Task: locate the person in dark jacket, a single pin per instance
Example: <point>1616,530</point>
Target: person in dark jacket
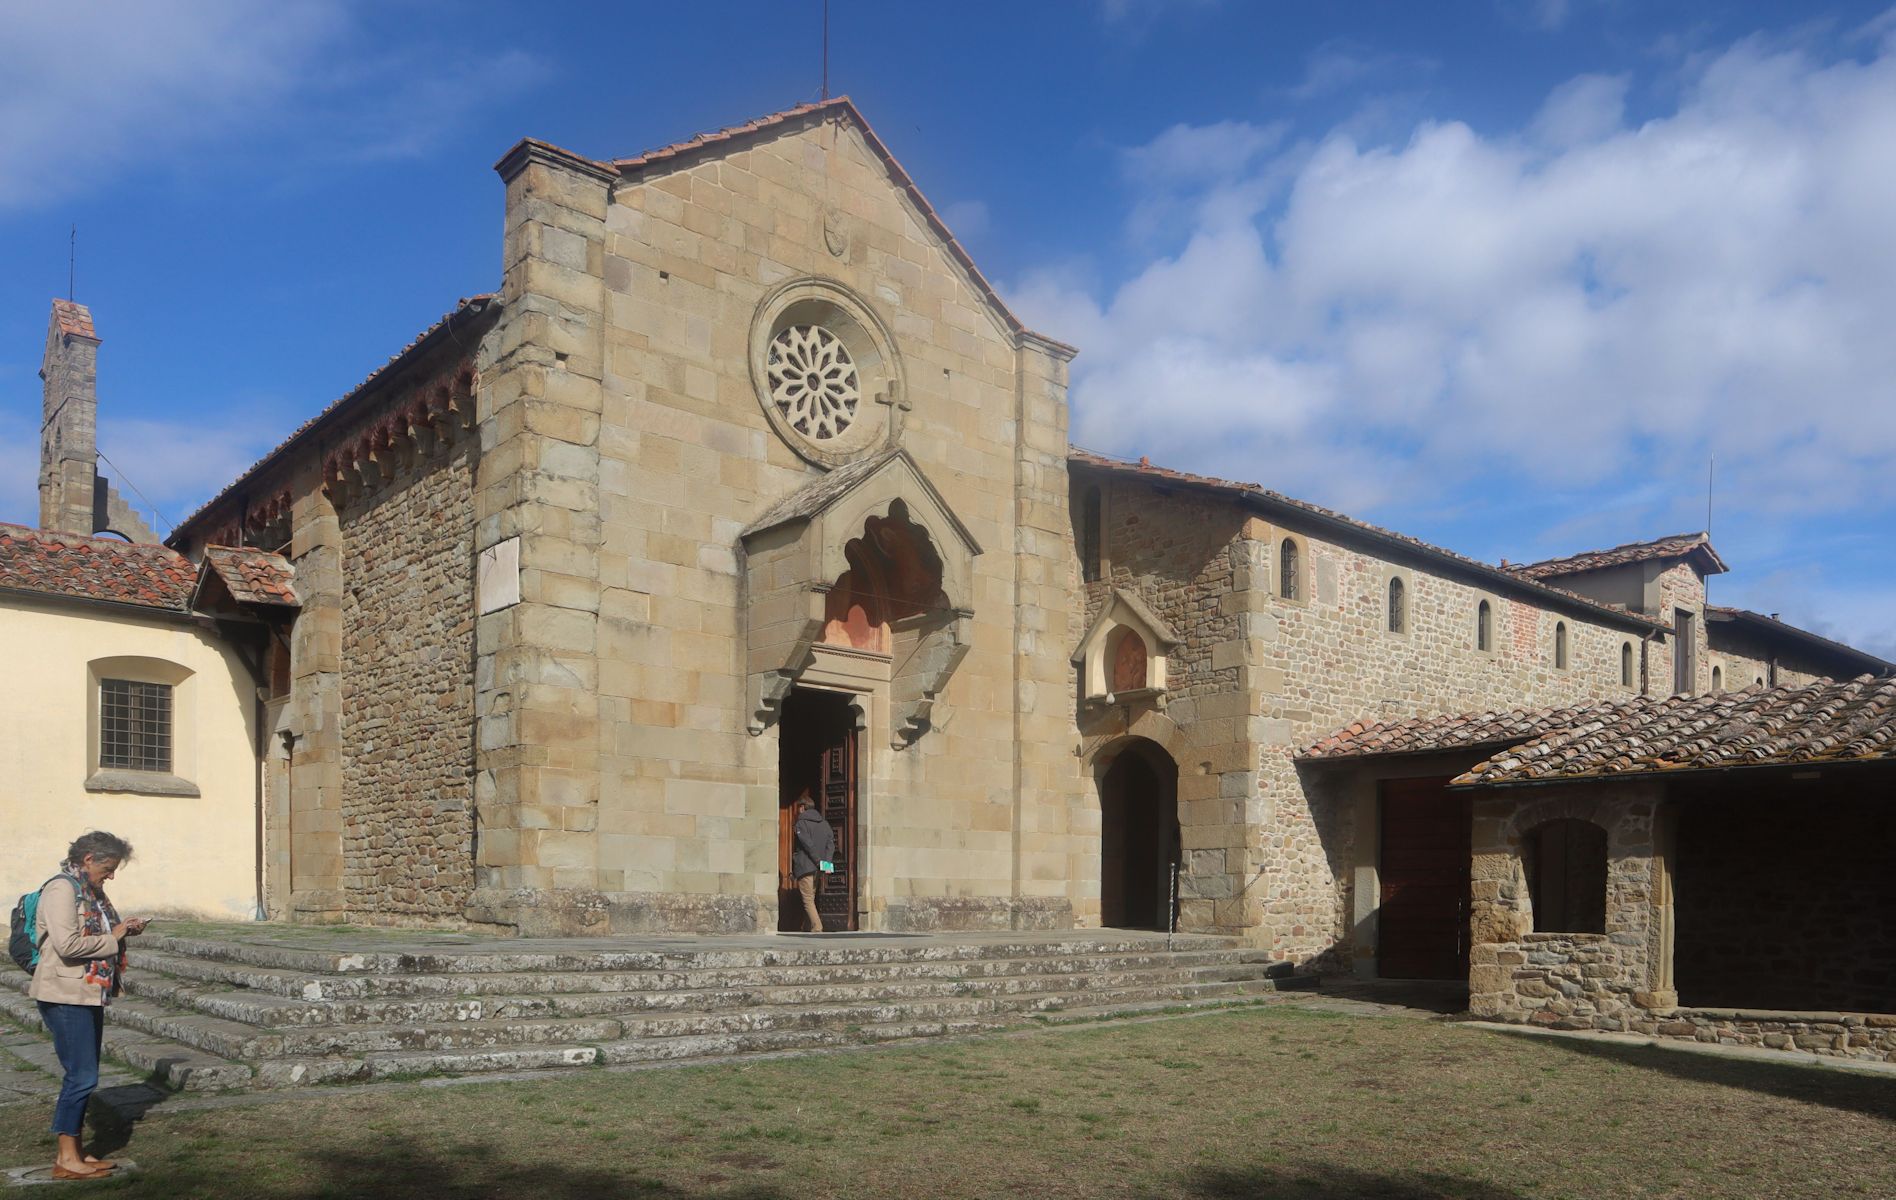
<point>815,847</point>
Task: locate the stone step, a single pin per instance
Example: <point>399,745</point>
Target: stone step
<point>311,986</point>
<point>165,1062</point>
<point>236,1040</point>
<point>271,1010</point>
<point>525,955</point>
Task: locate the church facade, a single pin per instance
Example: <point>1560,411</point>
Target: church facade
<point>746,485</point>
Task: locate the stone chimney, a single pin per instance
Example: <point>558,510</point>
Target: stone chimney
<point>69,421</point>
<point>74,497</point>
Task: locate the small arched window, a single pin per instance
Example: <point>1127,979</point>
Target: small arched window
<point>1758,682</point>
<point>1484,627</point>
<point>1560,645</point>
<point>1398,615</point>
<point>1566,876</point>
<point>1287,569</point>
<point>1089,535</point>
<point>1626,664</point>
<point>1718,679</point>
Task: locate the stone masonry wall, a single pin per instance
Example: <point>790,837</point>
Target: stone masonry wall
<point>1559,979</point>
<point>1268,676</point>
<point>662,810</point>
<point>407,694</point>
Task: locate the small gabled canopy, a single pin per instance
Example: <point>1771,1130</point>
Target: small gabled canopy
<point>844,499</point>
<point>243,578</point>
<point>1126,609</point>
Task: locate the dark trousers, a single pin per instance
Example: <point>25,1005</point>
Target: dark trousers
<point>78,1032</point>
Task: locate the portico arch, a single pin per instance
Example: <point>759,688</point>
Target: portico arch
<point>1139,835</point>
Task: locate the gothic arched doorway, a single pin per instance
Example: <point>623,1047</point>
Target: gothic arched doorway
<point>1139,843</point>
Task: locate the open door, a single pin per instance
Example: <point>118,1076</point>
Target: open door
<point>817,756</point>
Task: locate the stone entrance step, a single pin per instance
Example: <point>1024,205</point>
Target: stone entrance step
<point>253,1012</point>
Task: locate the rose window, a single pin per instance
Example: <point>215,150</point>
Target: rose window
<point>813,381</point>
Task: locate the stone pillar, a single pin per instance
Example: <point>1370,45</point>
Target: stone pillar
<point>69,420</point>
<point>1048,781</point>
<point>537,487</point>
<point>314,721</point>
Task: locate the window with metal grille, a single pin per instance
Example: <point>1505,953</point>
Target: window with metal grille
<point>134,725</point>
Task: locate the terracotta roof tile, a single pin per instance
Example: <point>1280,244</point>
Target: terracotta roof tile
<point>75,320</point>
<point>1430,735</point>
<point>468,305</point>
<point>1851,721</point>
<point>1143,469</point>
<point>1677,545</point>
<point>253,576</point>
<point>94,568</point>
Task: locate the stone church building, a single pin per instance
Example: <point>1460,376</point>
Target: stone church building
<point>747,485</point>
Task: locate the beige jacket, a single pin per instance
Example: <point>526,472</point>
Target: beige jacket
<point>60,977</point>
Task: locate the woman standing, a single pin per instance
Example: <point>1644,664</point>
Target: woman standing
<point>81,943</point>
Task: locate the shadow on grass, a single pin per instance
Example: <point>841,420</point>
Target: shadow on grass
<point>1322,1182</point>
<point>1848,1091</point>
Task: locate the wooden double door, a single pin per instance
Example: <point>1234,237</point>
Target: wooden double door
<point>1422,922</point>
<point>817,756</point>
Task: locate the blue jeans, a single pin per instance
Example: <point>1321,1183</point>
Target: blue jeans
<point>78,1031</point>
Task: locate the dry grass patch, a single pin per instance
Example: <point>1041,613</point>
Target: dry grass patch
<point>1277,1102</point>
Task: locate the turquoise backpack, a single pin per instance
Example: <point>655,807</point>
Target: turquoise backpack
<point>23,941</point>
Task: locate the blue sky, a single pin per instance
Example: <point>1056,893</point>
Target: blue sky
<point>1503,274</point>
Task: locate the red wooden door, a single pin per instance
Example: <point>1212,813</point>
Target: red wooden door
<point>1422,923</point>
<point>836,892</point>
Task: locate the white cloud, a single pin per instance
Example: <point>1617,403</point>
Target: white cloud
<point>966,218</point>
<point>89,91</point>
<point>1584,303</point>
<point>1335,66</point>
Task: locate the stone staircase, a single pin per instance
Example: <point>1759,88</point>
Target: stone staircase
<point>243,1013</point>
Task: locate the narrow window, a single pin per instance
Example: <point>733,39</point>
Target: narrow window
<point>1626,664</point>
<point>1718,680</point>
<point>1484,627</point>
<point>1287,570</point>
<point>1566,876</point>
<point>1396,615</point>
<point>1089,535</point>
<point>1758,682</point>
<point>1684,653</point>
<point>1560,645</point>
<point>134,726</point>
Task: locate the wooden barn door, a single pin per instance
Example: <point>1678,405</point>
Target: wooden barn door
<point>1422,923</point>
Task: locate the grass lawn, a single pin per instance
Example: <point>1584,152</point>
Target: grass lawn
<point>1273,1102</point>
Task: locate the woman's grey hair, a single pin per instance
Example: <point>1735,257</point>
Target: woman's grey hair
<point>101,846</point>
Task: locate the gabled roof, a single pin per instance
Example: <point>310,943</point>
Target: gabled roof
<point>74,320</point>
<point>1773,628</point>
<point>343,406</point>
<point>251,576</point>
<point>1677,545</point>
<point>1141,614</point>
<point>76,567</point>
<point>825,490</point>
<point>1268,501</point>
<point>723,141</point>
<point>1822,723</point>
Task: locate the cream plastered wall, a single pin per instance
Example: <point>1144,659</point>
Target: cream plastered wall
<point>192,855</point>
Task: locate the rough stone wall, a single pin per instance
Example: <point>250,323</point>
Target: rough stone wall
<point>407,693</point>
<point>1867,1036</point>
<point>1744,658</point>
<point>68,430</point>
<point>1679,586</point>
<point>1559,979</point>
<point>1266,676</point>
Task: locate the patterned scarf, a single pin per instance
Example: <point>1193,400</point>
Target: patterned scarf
<point>97,916</point>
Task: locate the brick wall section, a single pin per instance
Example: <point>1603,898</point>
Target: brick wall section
<point>407,693</point>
